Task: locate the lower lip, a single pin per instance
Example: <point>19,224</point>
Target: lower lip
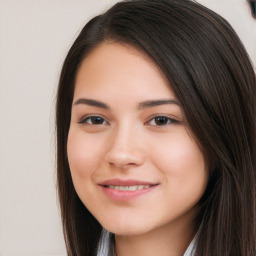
<point>120,195</point>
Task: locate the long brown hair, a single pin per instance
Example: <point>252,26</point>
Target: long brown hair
<point>210,73</point>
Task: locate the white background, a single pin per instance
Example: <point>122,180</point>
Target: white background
<point>35,35</point>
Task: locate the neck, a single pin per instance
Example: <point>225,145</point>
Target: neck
<point>172,239</point>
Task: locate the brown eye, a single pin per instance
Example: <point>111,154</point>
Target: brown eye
<point>161,121</point>
<point>93,120</point>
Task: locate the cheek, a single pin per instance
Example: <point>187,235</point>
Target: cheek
<point>182,162</point>
<point>83,154</point>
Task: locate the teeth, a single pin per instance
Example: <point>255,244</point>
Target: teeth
<point>129,188</point>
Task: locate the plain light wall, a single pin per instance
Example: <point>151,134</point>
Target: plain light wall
<point>35,35</point>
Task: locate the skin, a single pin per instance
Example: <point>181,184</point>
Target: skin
<point>128,141</point>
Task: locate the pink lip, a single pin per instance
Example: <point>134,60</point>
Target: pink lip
<point>120,195</point>
<point>130,182</point>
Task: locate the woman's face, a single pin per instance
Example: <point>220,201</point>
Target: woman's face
<point>133,161</point>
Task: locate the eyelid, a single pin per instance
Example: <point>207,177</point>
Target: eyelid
<point>86,117</point>
<point>172,119</point>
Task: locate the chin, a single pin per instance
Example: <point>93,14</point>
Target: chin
<point>126,229</point>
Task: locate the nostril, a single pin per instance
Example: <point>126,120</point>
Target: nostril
<point>124,160</point>
<point>122,165</point>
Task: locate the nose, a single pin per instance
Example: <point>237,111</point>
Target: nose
<point>125,150</point>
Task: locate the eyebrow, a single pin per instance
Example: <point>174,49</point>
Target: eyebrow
<point>142,105</point>
<point>153,103</point>
<point>90,102</point>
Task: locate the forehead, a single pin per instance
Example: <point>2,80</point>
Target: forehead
<point>117,67</point>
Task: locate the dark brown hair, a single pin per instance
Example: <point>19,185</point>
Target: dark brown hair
<point>210,73</point>
<point>252,4</point>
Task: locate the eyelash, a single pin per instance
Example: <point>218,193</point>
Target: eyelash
<point>85,119</point>
<point>167,120</point>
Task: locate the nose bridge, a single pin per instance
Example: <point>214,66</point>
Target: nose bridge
<point>125,148</point>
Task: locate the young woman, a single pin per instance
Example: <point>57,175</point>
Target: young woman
<point>156,142</point>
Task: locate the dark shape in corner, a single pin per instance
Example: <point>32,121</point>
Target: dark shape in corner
<point>252,4</point>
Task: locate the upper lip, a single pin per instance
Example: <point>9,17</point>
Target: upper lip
<point>129,182</point>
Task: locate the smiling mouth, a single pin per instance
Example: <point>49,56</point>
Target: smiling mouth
<point>119,190</point>
<point>128,188</point>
